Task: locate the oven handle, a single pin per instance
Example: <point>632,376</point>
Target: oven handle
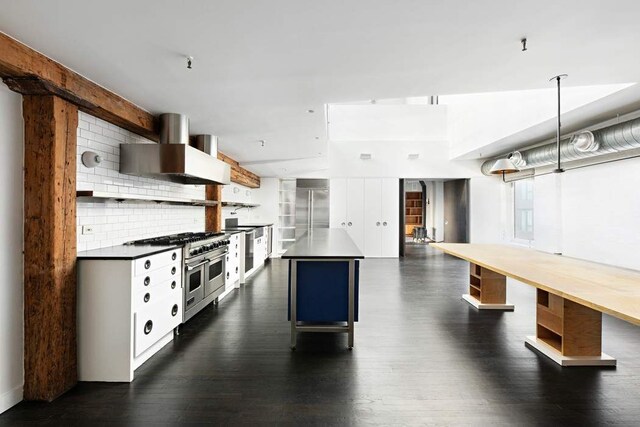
<point>193,267</point>
<point>216,258</point>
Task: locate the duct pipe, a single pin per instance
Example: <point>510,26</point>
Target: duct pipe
<point>611,139</point>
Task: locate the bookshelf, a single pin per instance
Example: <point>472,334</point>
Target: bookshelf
<point>413,211</point>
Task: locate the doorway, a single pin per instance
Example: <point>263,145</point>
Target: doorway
<point>434,210</point>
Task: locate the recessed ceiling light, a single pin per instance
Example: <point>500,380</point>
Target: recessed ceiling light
<point>310,111</point>
<point>413,156</point>
<point>365,156</point>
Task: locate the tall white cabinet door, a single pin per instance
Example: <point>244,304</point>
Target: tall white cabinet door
<point>355,211</point>
<point>390,204</point>
<point>338,203</point>
<point>372,217</point>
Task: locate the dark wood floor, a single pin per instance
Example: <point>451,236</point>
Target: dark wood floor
<point>422,356</point>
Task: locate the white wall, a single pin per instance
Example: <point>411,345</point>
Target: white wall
<point>11,244</point>
<point>486,209</point>
<point>390,159</point>
<point>591,213</point>
<point>115,223</point>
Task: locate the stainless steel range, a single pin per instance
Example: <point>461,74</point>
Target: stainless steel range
<point>204,276</point>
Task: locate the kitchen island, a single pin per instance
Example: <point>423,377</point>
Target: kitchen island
<point>323,283</point>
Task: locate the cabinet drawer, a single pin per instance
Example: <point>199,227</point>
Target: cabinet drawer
<point>144,298</point>
<point>145,265</point>
<point>155,322</point>
<point>163,274</point>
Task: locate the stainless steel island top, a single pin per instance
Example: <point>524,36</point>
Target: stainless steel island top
<point>322,243</point>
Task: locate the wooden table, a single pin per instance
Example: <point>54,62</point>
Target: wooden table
<point>572,294</point>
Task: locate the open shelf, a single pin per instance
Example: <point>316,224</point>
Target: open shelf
<point>101,197</point>
<point>240,204</point>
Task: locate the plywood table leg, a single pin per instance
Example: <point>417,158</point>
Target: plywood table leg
<point>568,333</point>
<point>487,289</point>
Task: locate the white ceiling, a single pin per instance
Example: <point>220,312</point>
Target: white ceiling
<point>260,65</point>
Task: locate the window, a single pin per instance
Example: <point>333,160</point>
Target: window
<point>523,209</point>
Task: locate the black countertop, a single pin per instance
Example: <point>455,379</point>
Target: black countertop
<point>124,252</point>
<point>324,243</point>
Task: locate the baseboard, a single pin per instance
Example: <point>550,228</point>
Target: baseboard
<point>11,398</point>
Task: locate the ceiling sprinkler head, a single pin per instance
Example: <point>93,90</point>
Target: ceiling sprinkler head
<point>189,61</point>
<point>262,142</point>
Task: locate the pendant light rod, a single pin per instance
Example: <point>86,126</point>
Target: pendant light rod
<point>557,79</point>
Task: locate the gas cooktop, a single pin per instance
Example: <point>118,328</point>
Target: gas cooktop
<point>176,239</point>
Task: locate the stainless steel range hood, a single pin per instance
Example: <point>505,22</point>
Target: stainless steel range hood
<point>173,159</point>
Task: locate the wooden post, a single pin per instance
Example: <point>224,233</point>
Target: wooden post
<point>50,362</point>
<point>213,214</point>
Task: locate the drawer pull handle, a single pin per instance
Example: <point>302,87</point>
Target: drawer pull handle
<point>236,269</point>
<point>173,270</point>
<point>147,264</point>
<point>174,310</point>
<point>227,274</point>
<point>174,256</point>
<point>147,281</point>
<point>147,297</point>
<point>173,284</point>
<point>148,327</point>
<point>190,301</point>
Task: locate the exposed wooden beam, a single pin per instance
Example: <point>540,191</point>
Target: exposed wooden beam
<point>213,214</point>
<point>240,175</point>
<point>29,72</point>
<point>50,364</point>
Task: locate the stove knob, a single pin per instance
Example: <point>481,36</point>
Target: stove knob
<point>216,244</point>
<point>199,250</point>
<point>192,252</point>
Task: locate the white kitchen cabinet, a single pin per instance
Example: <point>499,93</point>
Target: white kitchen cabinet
<point>127,310</point>
<point>390,205</point>
<point>338,203</point>
<point>233,261</point>
<point>368,210</point>
<point>346,207</point>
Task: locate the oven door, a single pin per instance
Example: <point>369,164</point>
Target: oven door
<point>216,274</point>
<point>194,283</point>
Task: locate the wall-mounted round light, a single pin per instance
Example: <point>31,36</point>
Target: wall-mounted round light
<point>91,159</point>
<point>585,142</point>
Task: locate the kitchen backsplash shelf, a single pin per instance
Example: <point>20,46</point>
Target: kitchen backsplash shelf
<point>100,196</point>
<point>240,204</point>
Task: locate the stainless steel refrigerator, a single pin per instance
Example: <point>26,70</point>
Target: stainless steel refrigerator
<point>312,205</point>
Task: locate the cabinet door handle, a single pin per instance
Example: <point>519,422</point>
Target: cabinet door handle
<point>147,281</point>
<point>173,270</point>
<point>148,327</point>
<point>174,310</point>
<point>147,297</point>
<point>343,224</point>
<point>384,223</point>
<point>378,224</point>
<point>147,264</point>
<point>349,223</point>
<point>173,284</point>
<point>173,256</point>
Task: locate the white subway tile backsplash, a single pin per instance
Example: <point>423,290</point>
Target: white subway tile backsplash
<point>115,223</point>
